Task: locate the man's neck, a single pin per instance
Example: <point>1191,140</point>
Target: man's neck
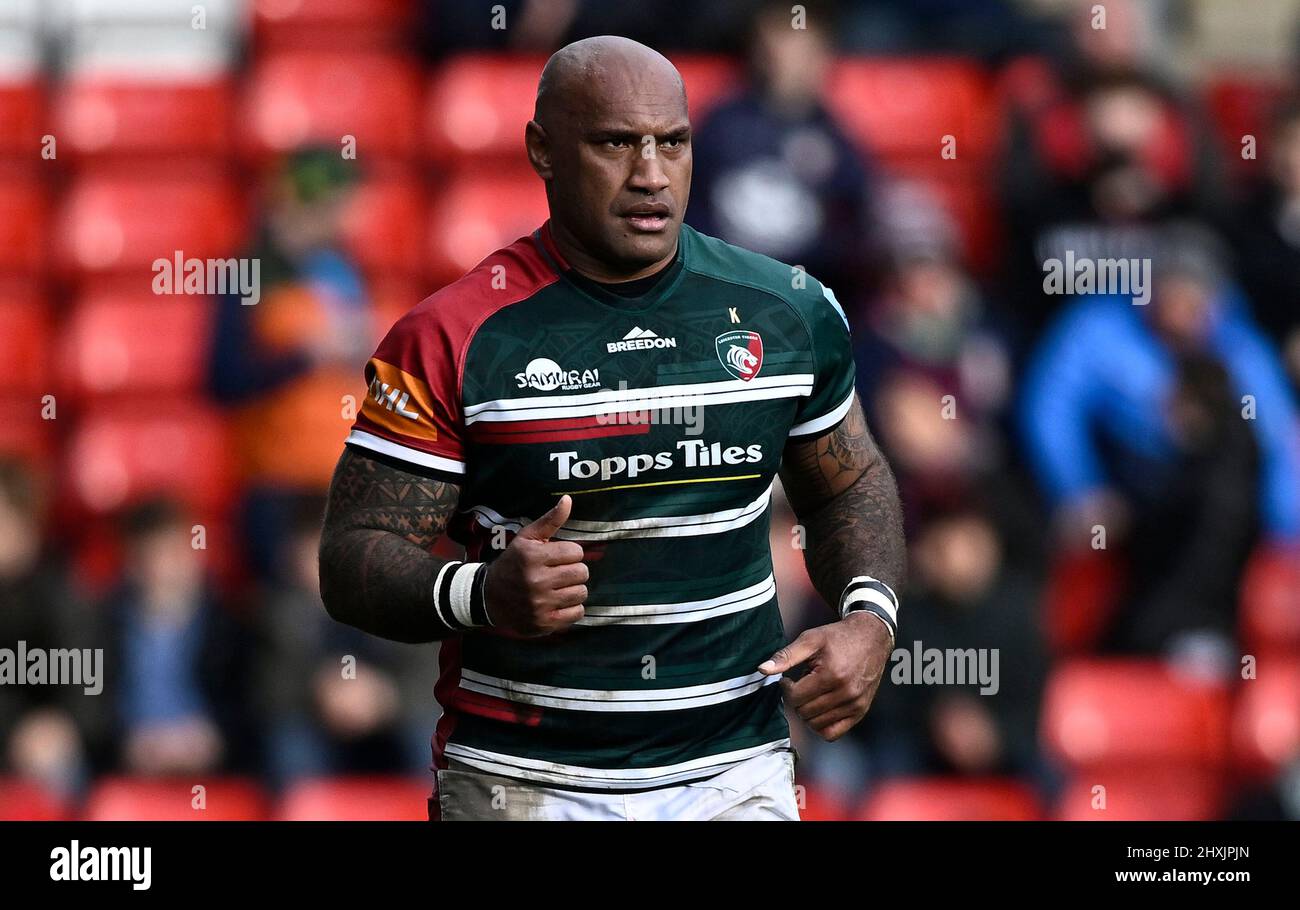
<point>589,266</point>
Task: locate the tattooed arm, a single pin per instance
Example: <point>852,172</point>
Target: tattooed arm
<point>377,574</point>
<point>844,495</point>
<point>376,571</point>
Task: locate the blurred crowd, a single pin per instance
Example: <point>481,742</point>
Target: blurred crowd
<point>1086,474</point>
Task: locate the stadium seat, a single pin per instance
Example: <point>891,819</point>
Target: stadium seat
<point>357,799</point>
<point>384,226</point>
<point>477,104</point>
<point>106,116</point>
<point>1154,793</point>
<point>131,448</point>
<point>1243,106</point>
<point>320,24</point>
<point>942,799</point>
<point>820,805</point>
<point>1266,717</point>
<point>1082,594</point>
<point>159,800</point>
<point>708,80</point>
<point>23,224</point>
<point>1107,712</point>
<point>22,118</point>
<point>23,432</point>
<point>1270,601</point>
<point>478,212</point>
<point>26,801</point>
<point>114,223</point>
<point>25,348</point>
<point>135,342</point>
<point>300,97</point>
<point>903,108</point>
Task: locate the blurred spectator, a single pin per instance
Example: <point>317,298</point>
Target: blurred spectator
<point>177,675</point>
<point>963,595</point>
<point>1121,439</point>
<point>1267,236</point>
<point>774,172</point>
<point>332,699</point>
<point>1098,173</point>
<point>934,368</point>
<point>1188,549</point>
<point>46,731</point>
<point>286,363</point>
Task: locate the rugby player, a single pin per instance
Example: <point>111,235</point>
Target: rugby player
<point>611,643</point>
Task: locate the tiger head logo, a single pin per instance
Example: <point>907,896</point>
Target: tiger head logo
<point>741,353</point>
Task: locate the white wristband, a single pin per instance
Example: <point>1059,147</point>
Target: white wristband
<point>458,596</point>
<point>873,596</point>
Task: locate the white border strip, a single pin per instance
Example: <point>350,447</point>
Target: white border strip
<point>404,453</point>
<point>614,401</point>
<point>826,420</point>
<point>658,526</point>
<point>604,778</point>
<point>683,612</point>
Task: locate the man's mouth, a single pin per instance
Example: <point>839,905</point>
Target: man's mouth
<point>649,219</point>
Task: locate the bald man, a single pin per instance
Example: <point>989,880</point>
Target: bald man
<point>597,412</point>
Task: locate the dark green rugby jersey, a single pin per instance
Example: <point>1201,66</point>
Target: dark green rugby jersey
<point>665,417</point>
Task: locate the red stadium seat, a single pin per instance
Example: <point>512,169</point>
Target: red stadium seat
<point>384,226</point>
<point>165,800</point>
<point>135,343</point>
<point>903,108</point>
<point>819,805</point>
<point>25,349</point>
<point>1155,793</point>
<point>99,116</point>
<point>331,23</point>
<point>112,223</point>
<point>708,81</point>
<point>26,801</point>
<point>124,450</point>
<point>1243,106</point>
<point>23,432</point>
<point>477,213</point>
<point>22,118</point>
<point>1107,712</point>
<point>940,799</point>
<point>23,224</point>
<point>477,106</point>
<point>299,98</point>
<point>1266,718</point>
<point>357,799</point>
<point>1270,601</point>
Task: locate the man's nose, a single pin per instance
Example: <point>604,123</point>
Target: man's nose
<point>647,173</point>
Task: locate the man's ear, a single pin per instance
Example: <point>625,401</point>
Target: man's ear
<point>539,152</point>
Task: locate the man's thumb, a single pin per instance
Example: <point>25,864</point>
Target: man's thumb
<point>793,654</point>
<point>544,528</point>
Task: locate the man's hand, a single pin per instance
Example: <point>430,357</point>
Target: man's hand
<point>538,585</point>
<point>846,661</point>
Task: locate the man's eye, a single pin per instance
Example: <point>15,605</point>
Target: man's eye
<point>616,143</point>
<point>671,143</point>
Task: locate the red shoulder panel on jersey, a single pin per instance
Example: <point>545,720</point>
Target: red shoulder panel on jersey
<point>412,411</point>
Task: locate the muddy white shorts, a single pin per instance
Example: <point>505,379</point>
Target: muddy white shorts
<point>758,789</point>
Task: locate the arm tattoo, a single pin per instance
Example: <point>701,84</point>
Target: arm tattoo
<point>376,571</point>
<point>844,494</point>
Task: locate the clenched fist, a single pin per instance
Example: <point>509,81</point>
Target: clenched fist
<point>538,585</point>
